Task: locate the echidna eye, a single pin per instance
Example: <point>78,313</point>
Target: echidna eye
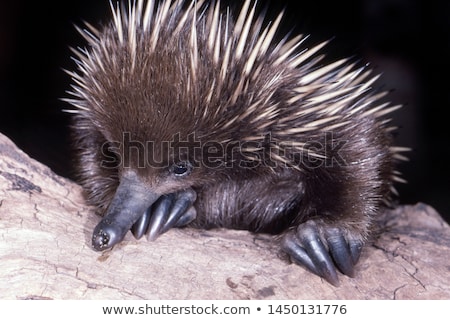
<point>181,169</point>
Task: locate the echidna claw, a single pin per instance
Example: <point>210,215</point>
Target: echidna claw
<point>171,210</point>
<point>323,253</point>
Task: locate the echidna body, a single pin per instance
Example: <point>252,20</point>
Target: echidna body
<point>186,116</point>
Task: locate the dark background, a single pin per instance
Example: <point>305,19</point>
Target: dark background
<point>408,41</point>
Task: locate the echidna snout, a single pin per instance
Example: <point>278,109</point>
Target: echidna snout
<point>130,202</point>
<point>137,208</point>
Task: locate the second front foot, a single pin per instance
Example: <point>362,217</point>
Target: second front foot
<point>169,211</point>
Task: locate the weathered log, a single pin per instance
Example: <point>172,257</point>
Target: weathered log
<point>45,231</point>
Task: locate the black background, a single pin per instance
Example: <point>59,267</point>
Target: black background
<point>408,41</point>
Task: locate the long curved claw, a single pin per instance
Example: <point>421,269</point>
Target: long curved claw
<point>323,255</point>
<point>355,250</point>
<point>159,215</point>
<point>186,218</point>
<point>181,212</point>
<point>140,226</point>
<point>171,210</point>
<point>340,251</point>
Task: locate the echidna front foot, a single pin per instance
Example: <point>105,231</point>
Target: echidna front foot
<point>171,210</point>
<point>323,249</point>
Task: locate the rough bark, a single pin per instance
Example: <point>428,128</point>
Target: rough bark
<point>45,230</point>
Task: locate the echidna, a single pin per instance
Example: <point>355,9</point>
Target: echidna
<point>186,116</point>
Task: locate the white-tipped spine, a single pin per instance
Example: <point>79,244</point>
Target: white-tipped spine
<point>117,16</point>
<point>147,19</point>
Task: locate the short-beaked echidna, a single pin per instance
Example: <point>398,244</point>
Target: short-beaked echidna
<point>186,116</point>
